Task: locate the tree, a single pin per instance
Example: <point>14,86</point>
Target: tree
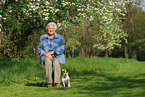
<point>133,27</point>
<point>109,15</point>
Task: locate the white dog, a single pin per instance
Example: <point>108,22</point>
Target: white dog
<point>65,78</point>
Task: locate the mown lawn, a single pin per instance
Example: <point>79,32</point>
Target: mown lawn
<point>96,77</point>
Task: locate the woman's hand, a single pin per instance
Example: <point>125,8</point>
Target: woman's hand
<point>49,55</point>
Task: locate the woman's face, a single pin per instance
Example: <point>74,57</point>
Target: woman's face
<point>51,30</point>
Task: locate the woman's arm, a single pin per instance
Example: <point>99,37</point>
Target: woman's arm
<point>60,49</point>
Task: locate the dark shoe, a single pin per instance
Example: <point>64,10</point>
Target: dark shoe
<point>49,86</point>
<point>58,85</point>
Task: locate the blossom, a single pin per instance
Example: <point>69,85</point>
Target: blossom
<point>46,18</point>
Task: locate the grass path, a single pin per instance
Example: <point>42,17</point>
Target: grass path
<point>94,77</point>
<point>102,85</point>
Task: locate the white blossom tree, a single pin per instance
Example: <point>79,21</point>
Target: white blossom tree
<point>109,15</point>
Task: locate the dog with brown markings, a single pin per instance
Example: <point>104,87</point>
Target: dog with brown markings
<point>65,78</point>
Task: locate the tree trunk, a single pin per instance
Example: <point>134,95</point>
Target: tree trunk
<point>126,52</point>
<point>134,54</point>
<point>73,52</point>
<point>110,53</point>
<point>82,53</point>
<point>106,54</point>
<point>69,55</point>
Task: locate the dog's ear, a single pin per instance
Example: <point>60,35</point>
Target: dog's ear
<point>67,70</point>
<point>63,69</point>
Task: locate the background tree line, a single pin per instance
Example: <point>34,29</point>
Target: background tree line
<point>86,30</point>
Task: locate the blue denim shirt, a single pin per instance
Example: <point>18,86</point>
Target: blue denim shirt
<point>57,46</point>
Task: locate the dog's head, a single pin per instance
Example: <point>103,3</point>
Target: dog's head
<point>65,72</point>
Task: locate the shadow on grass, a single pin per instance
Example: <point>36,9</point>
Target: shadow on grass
<point>94,83</point>
<point>44,84</point>
<point>38,84</point>
<point>110,85</point>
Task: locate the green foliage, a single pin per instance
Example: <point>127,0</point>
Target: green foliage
<point>2,57</point>
<point>19,71</point>
<point>133,25</point>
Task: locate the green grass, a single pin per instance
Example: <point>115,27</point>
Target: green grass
<point>97,77</point>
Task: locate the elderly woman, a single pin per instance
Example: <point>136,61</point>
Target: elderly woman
<point>51,50</point>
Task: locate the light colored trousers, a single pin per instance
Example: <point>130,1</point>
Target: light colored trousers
<point>52,66</point>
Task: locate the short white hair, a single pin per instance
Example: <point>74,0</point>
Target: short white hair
<point>51,23</point>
